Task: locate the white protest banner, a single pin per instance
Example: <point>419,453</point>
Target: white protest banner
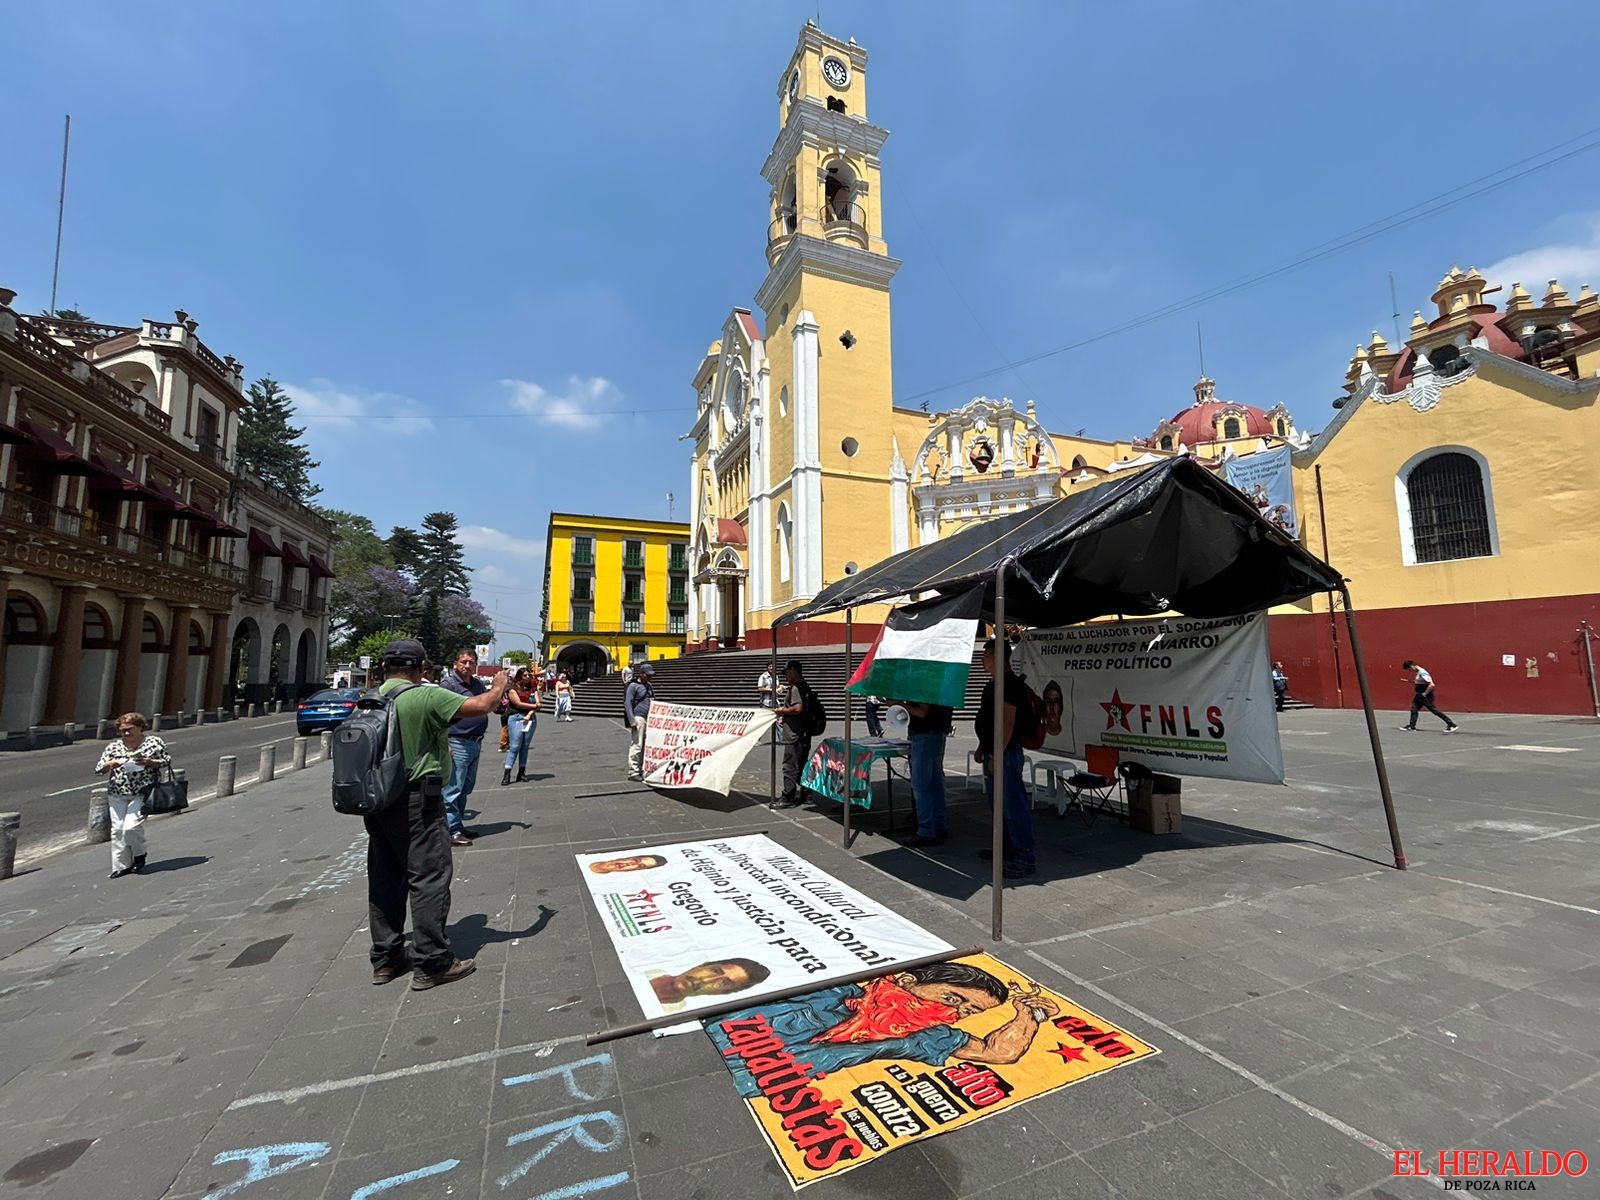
<point>1188,696</point>
<point>696,922</point>
<point>698,747</point>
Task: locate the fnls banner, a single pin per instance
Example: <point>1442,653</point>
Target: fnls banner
<point>696,922</point>
<point>839,1077</point>
<point>1180,695</point>
<point>692,747</point>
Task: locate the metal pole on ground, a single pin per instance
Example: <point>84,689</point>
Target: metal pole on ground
<point>69,732</point>
<point>1372,731</point>
<point>269,763</point>
<point>1586,632</point>
<point>155,723</point>
<point>995,764</point>
<point>98,828</point>
<point>9,824</point>
<point>298,762</point>
<point>849,758</point>
<point>326,738</point>
<point>227,774</point>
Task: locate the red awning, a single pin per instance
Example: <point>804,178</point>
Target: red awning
<point>164,497</point>
<point>261,544</point>
<point>729,532</point>
<point>292,556</point>
<point>215,526</point>
<point>49,445</point>
<point>111,476</point>
<point>11,434</point>
<point>319,568</point>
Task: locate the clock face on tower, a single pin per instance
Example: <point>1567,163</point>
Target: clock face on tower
<point>836,72</point>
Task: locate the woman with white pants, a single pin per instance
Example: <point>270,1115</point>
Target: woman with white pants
<point>132,759</point>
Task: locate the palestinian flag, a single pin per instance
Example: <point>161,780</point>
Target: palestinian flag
<point>923,652</point>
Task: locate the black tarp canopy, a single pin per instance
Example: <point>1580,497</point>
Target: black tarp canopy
<point>1172,537</point>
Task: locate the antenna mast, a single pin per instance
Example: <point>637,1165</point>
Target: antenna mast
<point>61,213</point>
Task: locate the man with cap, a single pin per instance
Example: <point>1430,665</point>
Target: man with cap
<point>635,712</point>
<point>408,843</point>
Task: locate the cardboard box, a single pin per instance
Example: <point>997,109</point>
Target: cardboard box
<point>1155,805</point>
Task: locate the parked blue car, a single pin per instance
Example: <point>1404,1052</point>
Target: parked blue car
<point>325,709</point>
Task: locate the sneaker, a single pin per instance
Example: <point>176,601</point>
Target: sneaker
<point>787,802</point>
<point>1018,871</point>
<point>421,981</point>
<point>389,971</point>
<point>1452,729</point>
<point>1406,728</point>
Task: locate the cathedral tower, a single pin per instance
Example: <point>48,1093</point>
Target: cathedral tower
<point>824,508</point>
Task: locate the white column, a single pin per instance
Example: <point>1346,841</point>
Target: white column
<point>955,467</point>
<point>762,533</point>
<point>928,519</point>
<point>1008,452</point>
<point>899,503</point>
<point>808,460</point>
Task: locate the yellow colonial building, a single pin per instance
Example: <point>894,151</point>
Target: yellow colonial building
<point>615,592</point>
<point>803,469</point>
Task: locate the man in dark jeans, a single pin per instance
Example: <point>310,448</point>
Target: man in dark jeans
<point>408,843</point>
<point>1422,697</point>
<point>466,745</point>
<point>791,711</point>
<point>1006,774</point>
<point>930,727</point>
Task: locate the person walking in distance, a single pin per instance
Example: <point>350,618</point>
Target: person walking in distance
<point>466,745</point>
<point>1007,773</point>
<point>524,696</point>
<point>1423,696</point>
<point>791,711</point>
<point>767,693</point>
<point>563,687</point>
<point>1280,686</point>
<point>132,758</point>
<point>408,843</point>
<point>636,715</point>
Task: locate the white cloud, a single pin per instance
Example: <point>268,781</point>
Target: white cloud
<point>325,407</point>
<point>1574,262</point>
<point>498,578</point>
<point>488,540</point>
<point>583,404</point>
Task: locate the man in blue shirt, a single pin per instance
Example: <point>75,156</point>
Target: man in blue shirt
<point>636,714</point>
<point>466,744</point>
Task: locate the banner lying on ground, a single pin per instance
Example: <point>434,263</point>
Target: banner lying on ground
<point>1183,695</point>
<point>1268,479</point>
<point>839,1077</point>
<point>695,747</point>
<point>697,922</point>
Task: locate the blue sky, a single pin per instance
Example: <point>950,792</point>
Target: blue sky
<point>518,228</point>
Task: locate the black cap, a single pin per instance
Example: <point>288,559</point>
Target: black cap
<point>406,652</point>
<point>794,664</point>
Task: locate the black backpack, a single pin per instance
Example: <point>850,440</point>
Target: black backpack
<point>369,769</point>
<point>814,718</point>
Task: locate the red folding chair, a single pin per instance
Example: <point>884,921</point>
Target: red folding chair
<point>1093,788</point>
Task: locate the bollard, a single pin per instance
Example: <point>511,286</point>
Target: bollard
<point>105,729</point>
<point>298,762</point>
<point>220,714</point>
<point>9,823</point>
<point>99,827</point>
<point>250,710</point>
<point>181,775</point>
<point>155,723</point>
<point>227,772</point>
<point>269,763</point>
<point>33,736</point>
<point>326,737</point>
<point>69,732</point>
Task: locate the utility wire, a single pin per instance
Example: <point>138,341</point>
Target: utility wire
<point>1365,233</point>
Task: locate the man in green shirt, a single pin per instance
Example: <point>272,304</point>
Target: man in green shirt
<point>408,843</point>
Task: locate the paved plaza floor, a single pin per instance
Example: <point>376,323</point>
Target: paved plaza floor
<point>212,1022</point>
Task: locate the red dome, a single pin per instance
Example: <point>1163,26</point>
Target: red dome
<point>1199,423</point>
<point>1500,342</point>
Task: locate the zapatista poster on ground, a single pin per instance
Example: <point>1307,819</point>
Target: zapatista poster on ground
<point>694,923</point>
<point>1186,695</point>
<point>691,747</point>
<point>842,1076</point>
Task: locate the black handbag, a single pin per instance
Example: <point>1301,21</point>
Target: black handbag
<point>168,794</point>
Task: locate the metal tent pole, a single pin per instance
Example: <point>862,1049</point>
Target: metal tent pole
<point>1586,632</point>
<point>772,796</point>
<point>997,756</point>
<point>1372,731</point>
<point>849,762</point>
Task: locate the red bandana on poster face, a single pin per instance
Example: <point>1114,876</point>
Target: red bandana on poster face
<point>887,1011</point>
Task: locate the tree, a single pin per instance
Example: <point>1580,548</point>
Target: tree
<point>372,602</point>
<point>269,442</point>
<point>463,622</point>
<point>405,548</point>
<point>375,643</point>
<point>69,314</point>
<point>441,568</point>
<point>428,628</point>
<point>357,549</point>
<point>517,658</point>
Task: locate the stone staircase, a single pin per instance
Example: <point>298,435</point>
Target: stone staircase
<point>728,678</point>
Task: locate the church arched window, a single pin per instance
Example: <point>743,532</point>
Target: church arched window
<point>1166,441</point>
<point>1231,429</point>
<point>785,542</point>
<point>841,197</point>
<point>1446,510</point>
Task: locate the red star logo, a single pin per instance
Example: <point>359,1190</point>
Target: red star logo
<point>644,896</point>
<point>1069,1053</point>
<point>1117,712</point>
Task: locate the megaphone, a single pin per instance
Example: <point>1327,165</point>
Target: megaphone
<point>897,723</point>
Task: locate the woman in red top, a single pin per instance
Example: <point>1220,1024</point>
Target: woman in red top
<point>524,701</point>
